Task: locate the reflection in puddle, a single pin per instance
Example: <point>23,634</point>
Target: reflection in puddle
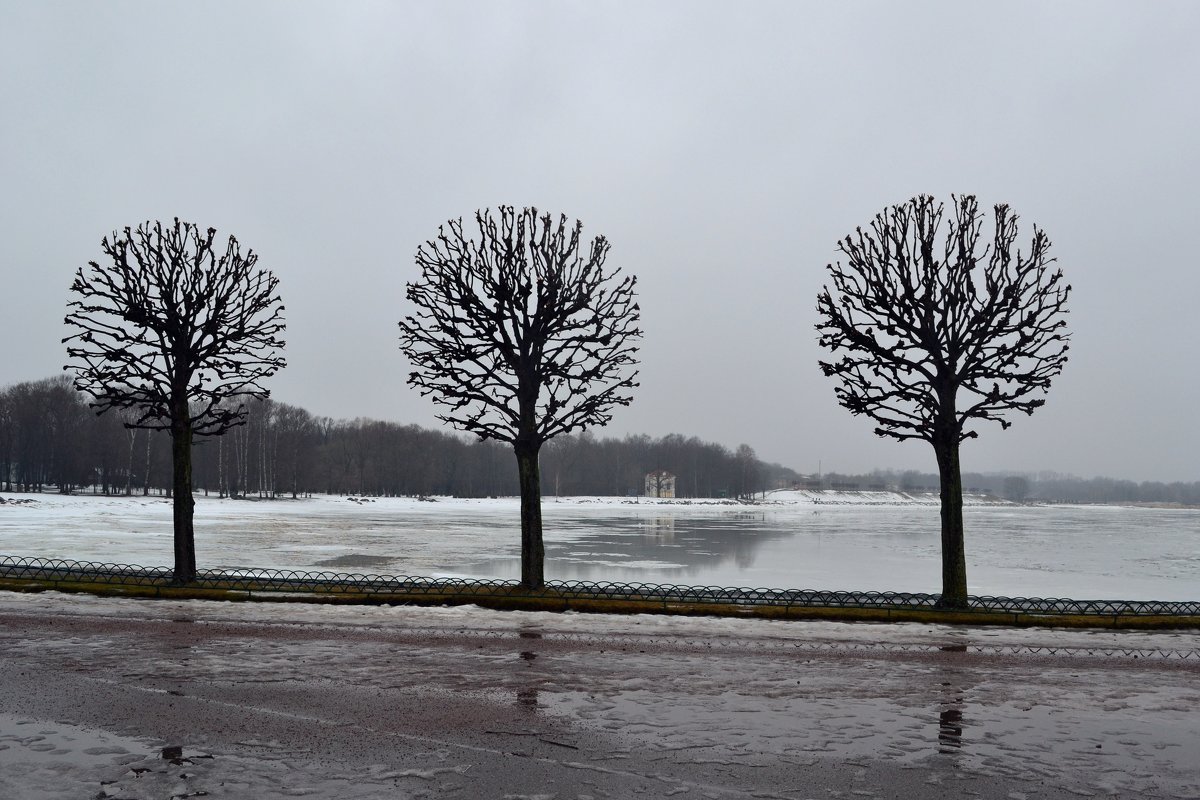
<point>950,719</point>
<point>950,730</point>
<point>527,698</point>
<point>528,655</point>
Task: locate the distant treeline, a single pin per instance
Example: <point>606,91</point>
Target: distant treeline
<point>1048,487</point>
<point>50,439</point>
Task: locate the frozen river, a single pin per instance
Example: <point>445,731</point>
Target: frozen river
<point>792,541</point>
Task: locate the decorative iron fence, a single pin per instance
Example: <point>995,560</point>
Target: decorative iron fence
<point>385,587</point>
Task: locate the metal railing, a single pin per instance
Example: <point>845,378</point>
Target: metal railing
<point>396,587</point>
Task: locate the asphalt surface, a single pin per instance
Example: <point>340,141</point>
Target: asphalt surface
<point>152,699</point>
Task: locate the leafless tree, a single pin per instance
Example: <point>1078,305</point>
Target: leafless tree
<point>931,337</point>
<point>179,333</point>
<point>45,438</point>
<point>523,335</point>
<point>749,472</point>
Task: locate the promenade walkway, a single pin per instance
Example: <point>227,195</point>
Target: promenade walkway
<point>123,698</point>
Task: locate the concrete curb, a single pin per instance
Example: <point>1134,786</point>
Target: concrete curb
<point>510,599</point>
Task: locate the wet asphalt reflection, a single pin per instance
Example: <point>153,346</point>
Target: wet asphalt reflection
<point>359,702</point>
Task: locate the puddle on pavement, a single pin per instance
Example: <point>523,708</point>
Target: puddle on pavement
<point>528,655</point>
<point>24,741</point>
<point>527,698</point>
<point>950,718</point>
<point>950,730</point>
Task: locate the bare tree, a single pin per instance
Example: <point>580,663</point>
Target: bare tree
<point>44,437</point>
<point>935,337</point>
<point>8,436</point>
<point>179,333</point>
<point>1016,488</point>
<point>749,472</point>
<point>523,337</point>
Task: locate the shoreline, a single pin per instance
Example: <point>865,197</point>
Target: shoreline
<point>1063,551</point>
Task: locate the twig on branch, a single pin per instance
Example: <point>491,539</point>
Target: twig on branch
<point>933,337</point>
<point>167,319</point>
<point>521,333</point>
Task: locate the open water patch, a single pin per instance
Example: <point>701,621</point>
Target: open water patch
<point>357,560</point>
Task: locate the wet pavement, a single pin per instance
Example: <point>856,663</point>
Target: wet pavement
<point>155,699</point>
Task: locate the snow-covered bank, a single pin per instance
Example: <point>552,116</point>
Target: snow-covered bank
<point>791,540</point>
<point>778,497</point>
<point>871,497</point>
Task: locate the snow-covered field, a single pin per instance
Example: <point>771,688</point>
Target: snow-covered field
<point>800,540</point>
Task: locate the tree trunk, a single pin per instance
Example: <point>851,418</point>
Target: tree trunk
<point>183,504</point>
<point>146,479</point>
<point>295,470</point>
<point>533,552</point>
<point>129,470</point>
<point>954,559</point>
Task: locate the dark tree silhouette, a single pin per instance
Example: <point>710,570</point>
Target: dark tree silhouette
<point>524,337</point>
<point>179,334</point>
<point>936,336</point>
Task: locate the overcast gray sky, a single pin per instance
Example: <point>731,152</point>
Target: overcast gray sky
<point>723,148</point>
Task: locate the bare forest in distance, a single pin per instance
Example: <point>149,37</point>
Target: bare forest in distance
<point>51,440</point>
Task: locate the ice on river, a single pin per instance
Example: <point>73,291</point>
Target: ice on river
<point>792,540</point>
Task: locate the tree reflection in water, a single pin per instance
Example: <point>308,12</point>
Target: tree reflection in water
<point>663,548</point>
<point>527,696</point>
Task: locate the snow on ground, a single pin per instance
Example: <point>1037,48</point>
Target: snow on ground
<point>791,540</point>
<point>272,701</point>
